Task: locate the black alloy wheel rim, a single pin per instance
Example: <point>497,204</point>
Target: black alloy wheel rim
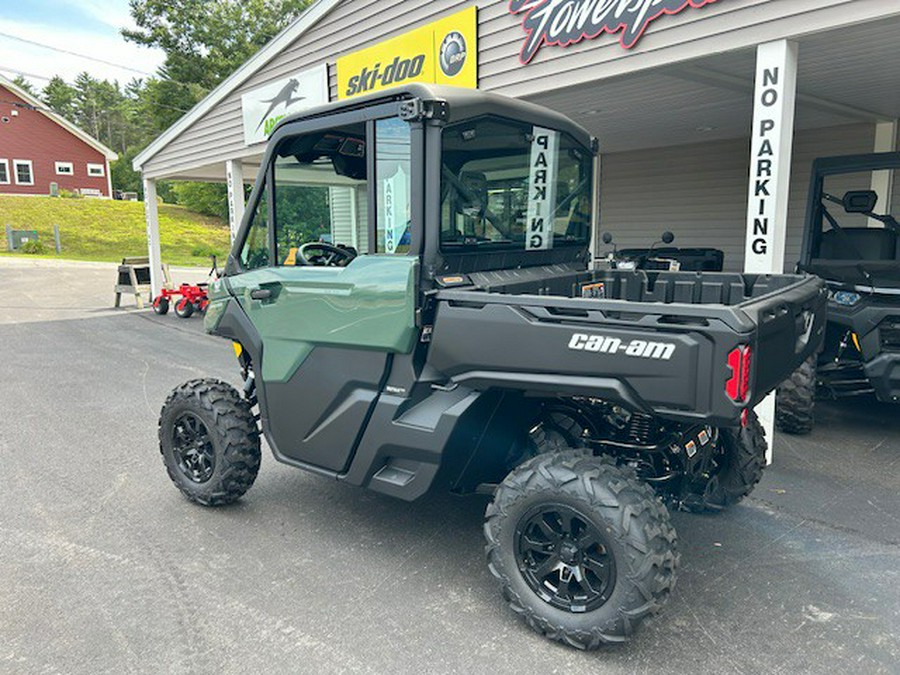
<point>193,448</point>
<point>564,558</point>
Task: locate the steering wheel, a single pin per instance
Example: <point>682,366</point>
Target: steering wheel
<point>329,254</point>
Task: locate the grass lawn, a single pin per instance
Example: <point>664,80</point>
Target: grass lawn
<point>107,231</point>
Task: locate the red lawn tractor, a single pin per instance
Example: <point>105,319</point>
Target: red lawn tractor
<point>187,298</point>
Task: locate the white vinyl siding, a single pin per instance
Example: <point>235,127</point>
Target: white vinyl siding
<point>354,24</point>
<point>699,192</point>
<point>4,172</point>
<point>341,205</point>
<point>24,171</point>
<point>96,170</point>
<point>340,200</point>
<point>65,169</point>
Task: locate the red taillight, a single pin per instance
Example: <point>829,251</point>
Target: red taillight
<point>744,389</point>
<point>738,385</point>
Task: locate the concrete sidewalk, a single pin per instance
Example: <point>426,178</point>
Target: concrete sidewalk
<point>34,289</point>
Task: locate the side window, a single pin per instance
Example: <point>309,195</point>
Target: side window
<point>321,195</point>
<point>392,185</point>
<point>255,253</point>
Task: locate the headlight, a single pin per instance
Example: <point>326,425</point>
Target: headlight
<point>845,298</point>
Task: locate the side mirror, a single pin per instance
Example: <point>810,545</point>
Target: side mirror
<point>860,201</point>
<point>668,237</point>
<point>607,238</point>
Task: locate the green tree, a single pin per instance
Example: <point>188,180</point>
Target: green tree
<point>113,116</point>
<point>210,199</point>
<point>157,103</point>
<point>123,175</point>
<point>99,109</point>
<point>303,214</point>
<point>206,41</point>
<point>22,83</point>
<point>60,96</point>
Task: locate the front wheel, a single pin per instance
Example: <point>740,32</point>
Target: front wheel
<point>583,550</point>
<point>795,400</point>
<point>184,308</point>
<point>161,305</point>
<point>209,442</point>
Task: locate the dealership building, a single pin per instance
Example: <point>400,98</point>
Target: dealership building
<point>709,113</point>
<point>701,107</point>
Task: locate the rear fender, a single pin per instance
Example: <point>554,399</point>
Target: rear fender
<point>501,423</point>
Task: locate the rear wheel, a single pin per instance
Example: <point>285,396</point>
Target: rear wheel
<point>209,442</point>
<point>796,400</point>
<point>736,469</point>
<point>161,305</point>
<point>184,308</point>
<point>583,550</point>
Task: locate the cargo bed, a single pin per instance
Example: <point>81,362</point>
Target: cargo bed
<point>663,342</point>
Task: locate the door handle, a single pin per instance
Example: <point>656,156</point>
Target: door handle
<point>261,294</point>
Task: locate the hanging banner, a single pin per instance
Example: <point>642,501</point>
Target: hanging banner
<point>542,189</point>
<point>265,107</point>
<point>443,52</point>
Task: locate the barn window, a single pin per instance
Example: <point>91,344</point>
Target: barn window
<point>4,172</point>
<point>96,170</point>
<point>24,172</point>
<point>64,169</point>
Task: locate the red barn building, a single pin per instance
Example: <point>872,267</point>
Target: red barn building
<point>38,147</point>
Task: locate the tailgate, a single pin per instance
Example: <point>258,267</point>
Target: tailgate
<point>790,327</point>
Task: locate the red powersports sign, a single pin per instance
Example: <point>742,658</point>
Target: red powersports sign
<point>567,22</point>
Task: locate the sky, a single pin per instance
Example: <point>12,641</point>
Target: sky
<point>88,27</point>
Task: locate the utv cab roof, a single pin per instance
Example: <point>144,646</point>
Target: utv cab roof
<point>461,104</point>
<point>827,166</point>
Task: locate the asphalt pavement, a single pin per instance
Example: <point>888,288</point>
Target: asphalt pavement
<point>106,568</point>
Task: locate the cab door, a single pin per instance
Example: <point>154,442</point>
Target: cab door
<point>329,323</point>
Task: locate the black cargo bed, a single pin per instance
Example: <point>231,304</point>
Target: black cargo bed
<point>518,321</point>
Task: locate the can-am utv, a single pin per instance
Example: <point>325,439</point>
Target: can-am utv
<point>453,335</point>
<point>852,241</point>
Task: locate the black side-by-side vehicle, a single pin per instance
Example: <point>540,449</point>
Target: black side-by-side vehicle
<point>852,241</point>
<point>413,307</point>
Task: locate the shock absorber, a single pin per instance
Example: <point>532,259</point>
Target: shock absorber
<point>640,428</point>
<point>247,374</point>
<point>842,345</point>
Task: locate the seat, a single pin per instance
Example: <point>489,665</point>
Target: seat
<point>872,243</point>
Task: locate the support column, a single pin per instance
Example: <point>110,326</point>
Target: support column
<point>772,139</point>
<point>234,175</point>
<point>883,181</point>
<point>151,213</point>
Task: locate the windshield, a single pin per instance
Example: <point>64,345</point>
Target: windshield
<point>511,185</point>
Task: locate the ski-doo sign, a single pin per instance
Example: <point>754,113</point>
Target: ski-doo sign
<point>442,52</point>
<point>567,22</point>
<point>265,107</point>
